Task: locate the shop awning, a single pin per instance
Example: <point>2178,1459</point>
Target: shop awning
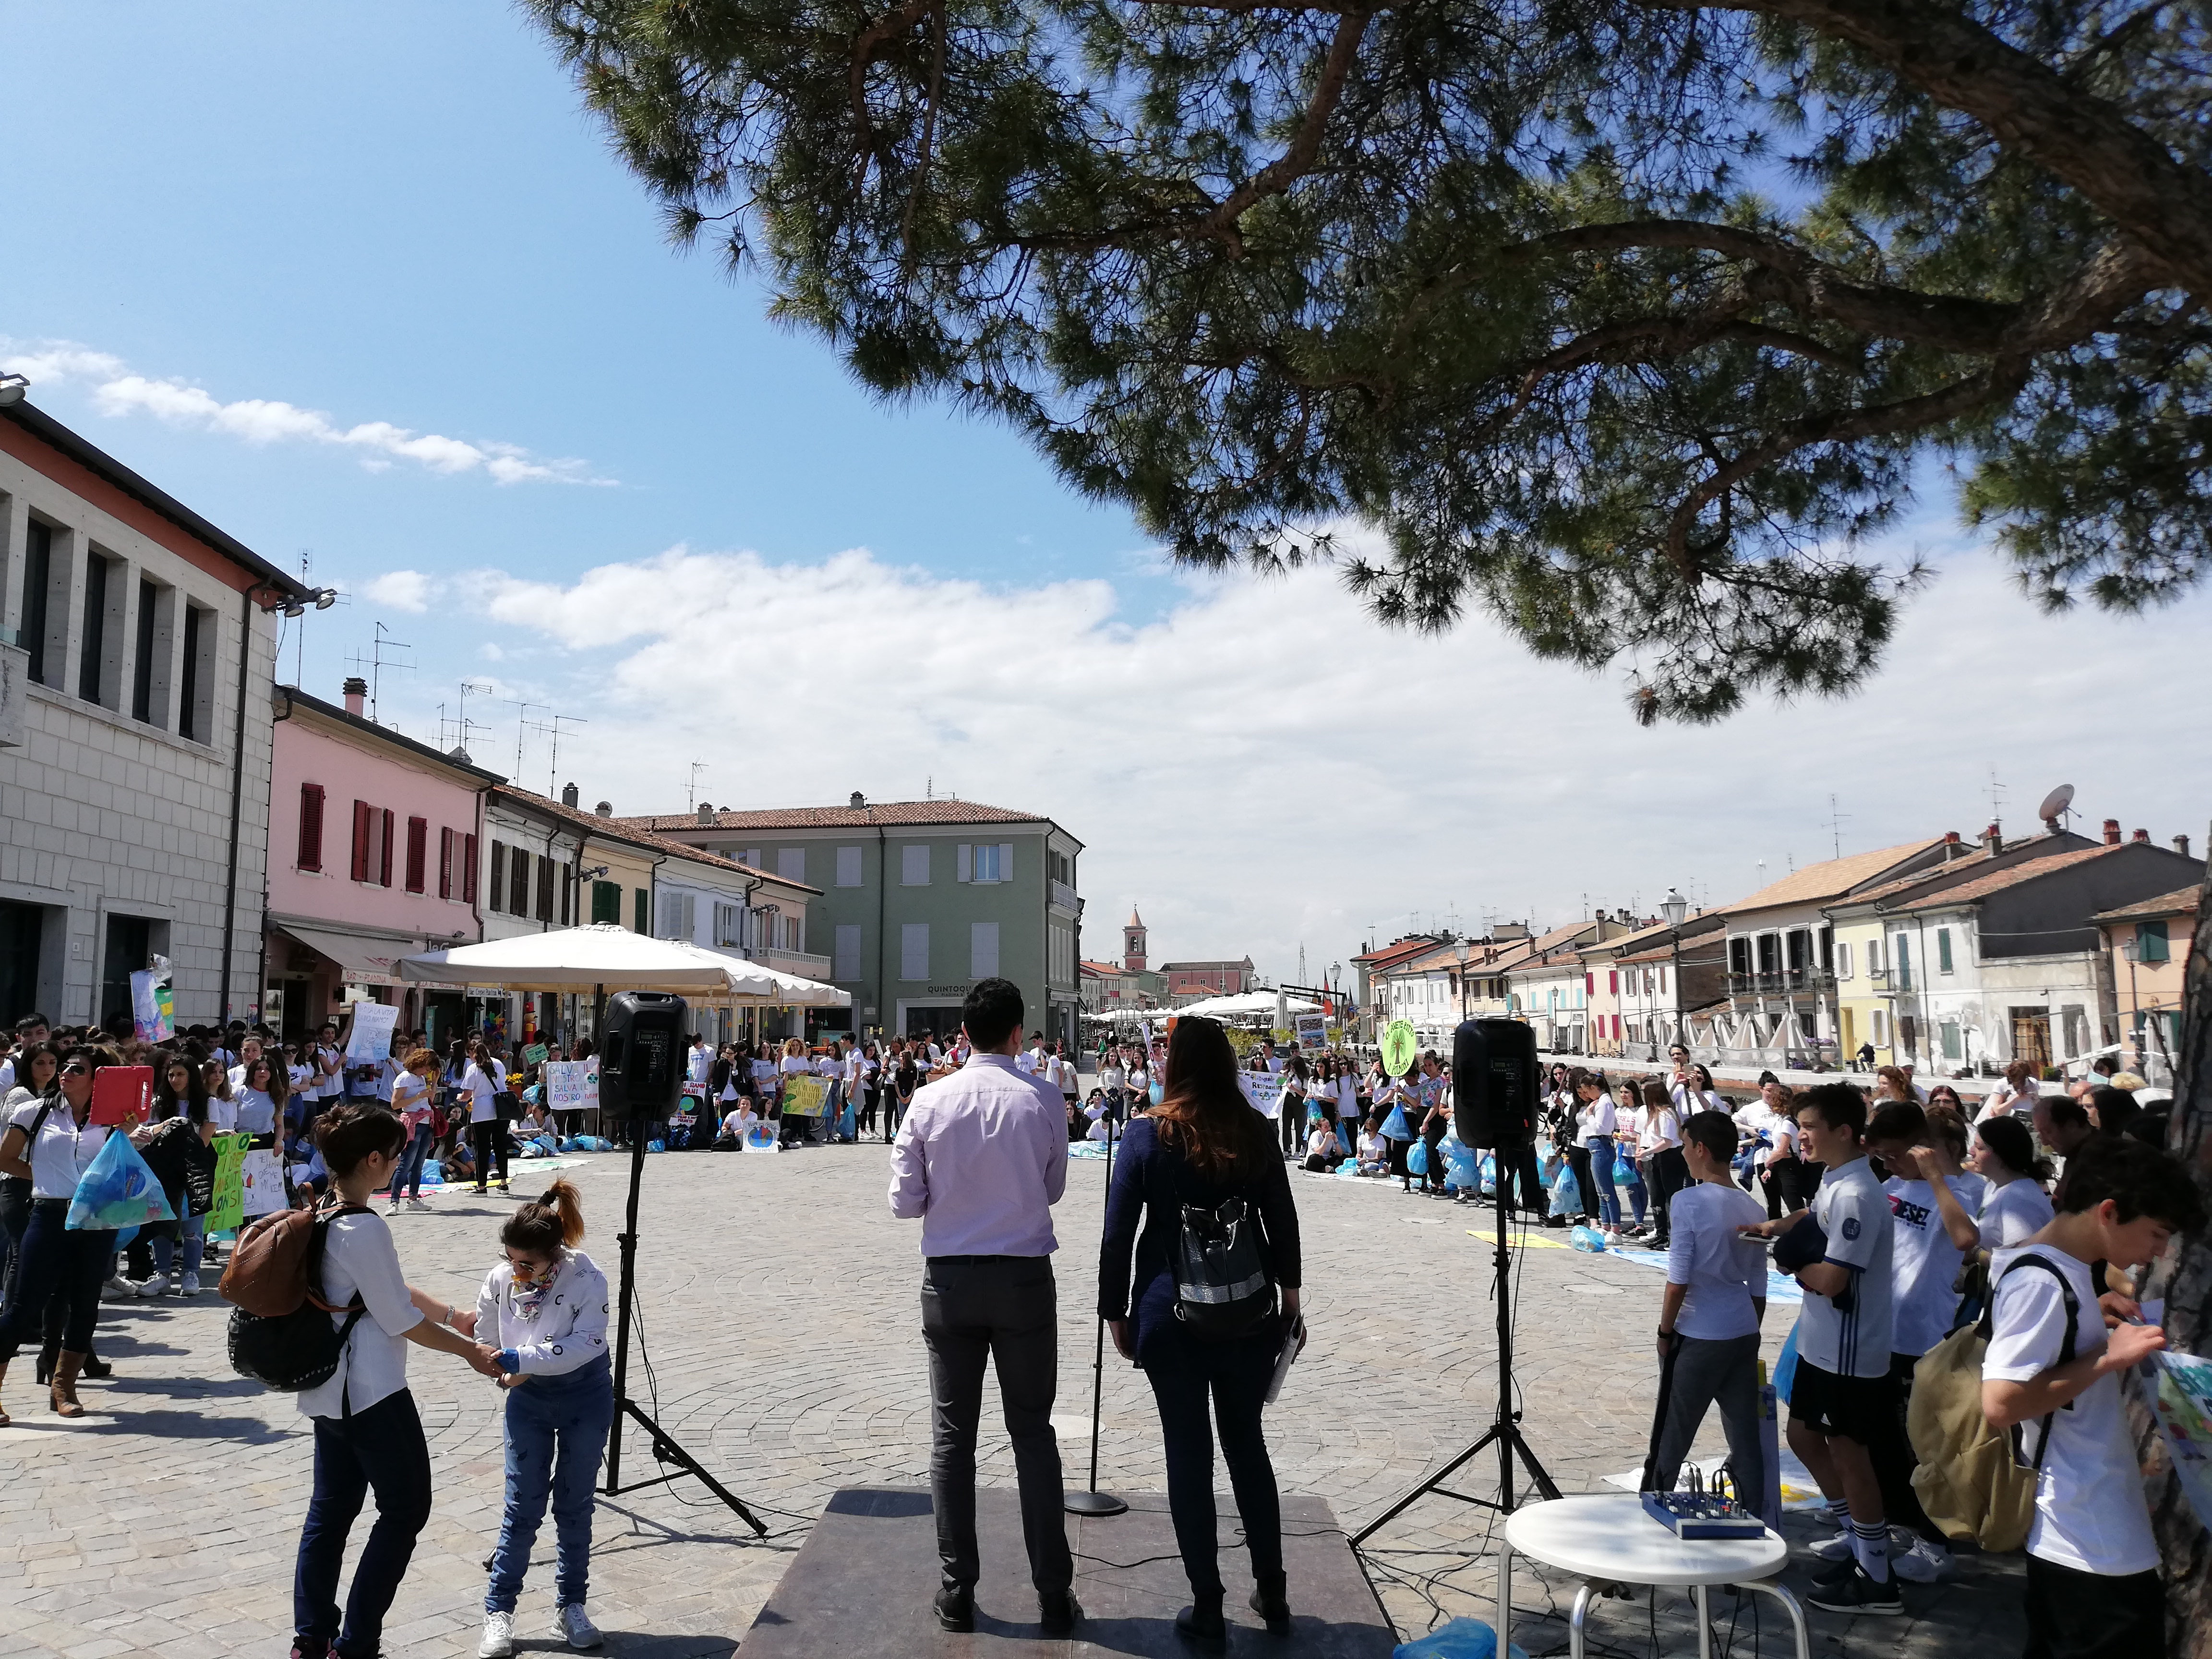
<point>361,961</point>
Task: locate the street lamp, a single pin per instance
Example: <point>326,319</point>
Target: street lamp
<point>1674,907</point>
<point>12,388</point>
<point>2132,950</point>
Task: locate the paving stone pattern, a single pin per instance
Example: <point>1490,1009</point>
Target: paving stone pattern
<point>779,1309</point>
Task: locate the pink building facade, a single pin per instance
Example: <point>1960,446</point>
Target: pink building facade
<point>372,855</point>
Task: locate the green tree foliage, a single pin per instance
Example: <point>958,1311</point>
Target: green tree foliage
<point>1628,320</point>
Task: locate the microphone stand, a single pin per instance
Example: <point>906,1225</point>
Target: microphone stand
<point>1091,1501</point>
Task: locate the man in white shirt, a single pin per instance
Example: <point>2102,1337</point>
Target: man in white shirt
<point>981,1160</point>
<point>2093,1563</point>
<point>1709,1318</point>
<point>1842,1396</point>
<point>1268,1054</point>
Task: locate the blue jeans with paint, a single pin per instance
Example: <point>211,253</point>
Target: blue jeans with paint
<point>556,1429</point>
<point>1609,1200</point>
<point>188,1244</point>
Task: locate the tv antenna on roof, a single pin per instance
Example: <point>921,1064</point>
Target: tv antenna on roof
<point>691,788</point>
<point>376,662</point>
<point>552,729</point>
<point>1996,797</point>
<point>2056,805</point>
<point>1836,818</point>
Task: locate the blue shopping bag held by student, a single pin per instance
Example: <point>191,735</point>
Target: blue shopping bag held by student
<point>1417,1160</point>
<point>1566,1194</point>
<point>1395,1127</point>
<point>117,1190</point>
<point>1786,1366</point>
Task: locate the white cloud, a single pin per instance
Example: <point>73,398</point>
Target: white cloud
<point>1263,766</point>
<point>400,590</point>
<point>116,391</point>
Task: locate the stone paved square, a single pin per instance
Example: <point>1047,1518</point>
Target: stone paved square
<point>781,1323</point>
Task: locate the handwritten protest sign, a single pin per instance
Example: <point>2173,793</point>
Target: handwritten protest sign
<point>805,1095</point>
<point>1264,1090</point>
<point>2183,1406</point>
<point>229,1211</point>
<point>571,1085</point>
<point>262,1174</point>
<point>370,1039</point>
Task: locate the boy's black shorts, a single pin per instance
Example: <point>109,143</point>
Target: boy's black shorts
<point>1855,1407</point>
<point>2072,1614</point>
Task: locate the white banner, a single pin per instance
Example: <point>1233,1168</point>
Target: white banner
<point>1264,1090</point>
<point>571,1085</point>
<point>369,1042</point>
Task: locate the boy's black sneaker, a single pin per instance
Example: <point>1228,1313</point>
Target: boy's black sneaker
<point>1858,1593</point>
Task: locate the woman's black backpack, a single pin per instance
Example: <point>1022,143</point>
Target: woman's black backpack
<point>1223,1287</point>
<point>291,1347</point>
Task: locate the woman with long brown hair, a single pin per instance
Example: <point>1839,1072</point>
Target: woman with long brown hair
<point>1203,1148</point>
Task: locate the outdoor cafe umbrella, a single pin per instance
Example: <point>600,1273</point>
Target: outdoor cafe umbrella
<point>584,959</point>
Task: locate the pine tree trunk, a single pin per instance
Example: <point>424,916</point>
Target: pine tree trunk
<point>2187,1287</point>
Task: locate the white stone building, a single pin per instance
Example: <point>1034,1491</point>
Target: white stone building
<point>136,668</point>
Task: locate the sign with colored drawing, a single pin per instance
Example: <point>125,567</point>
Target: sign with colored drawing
<point>1264,1090</point>
<point>805,1095</point>
<point>571,1085</point>
<point>229,1211</point>
<point>2184,1406</point>
<point>153,1007</point>
<point>369,1040</point>
<point>1311,1029</point>
<point>534,1054</point>
<point>262,1175</point>
<point>1398,1048</point>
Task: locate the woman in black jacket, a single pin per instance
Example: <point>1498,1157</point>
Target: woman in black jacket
<point>1202,1146</point>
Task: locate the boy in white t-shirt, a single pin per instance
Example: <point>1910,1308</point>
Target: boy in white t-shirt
<point>2094,1590</point>
<point>1709,1319</point>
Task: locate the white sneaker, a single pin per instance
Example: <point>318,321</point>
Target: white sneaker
<point>190,1285</point>
<point>1923,1563</point>
<point>152,1286</point>
<point>118,1289</point>
<point>498,1637</point>
<point>417,1204</point>
<point>572,1624</point>
<point>1836,1548</point>
<point>392,1208</point>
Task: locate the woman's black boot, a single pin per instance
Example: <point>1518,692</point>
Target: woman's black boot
<point>1201,1624</point>
<point>95,1367</point>
<point>1271,1601</point>
<point>48,1355</point>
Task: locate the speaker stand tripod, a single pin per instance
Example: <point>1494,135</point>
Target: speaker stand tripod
<point>1504,1430</point>
<point>666,1449</point>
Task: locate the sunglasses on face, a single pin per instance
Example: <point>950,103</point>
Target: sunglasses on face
<point>77,1068</point>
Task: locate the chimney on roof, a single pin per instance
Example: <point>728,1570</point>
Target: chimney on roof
<point>357,690</point>
<point>706,813</point>
<point>569,795</point>
<point>858,801</point>
<point>1991,841</point>
<point>1954,848</point>
<point>2112,832</point>
<point>605,809</point>
<point>2181,845</point>
<point>2141,835</point>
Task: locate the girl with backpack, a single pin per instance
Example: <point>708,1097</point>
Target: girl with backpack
<point>1203,1152</point>
<point>368,1436</point>
<point>546,1307</point>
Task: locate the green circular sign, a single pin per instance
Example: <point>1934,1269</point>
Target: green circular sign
<point>1398,1047</point>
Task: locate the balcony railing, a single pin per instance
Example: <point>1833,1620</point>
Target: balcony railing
<point>1780,984</point>
<point>805,963</point>
<point>1063,895</point>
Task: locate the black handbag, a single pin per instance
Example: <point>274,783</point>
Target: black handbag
<point>507,1106</point>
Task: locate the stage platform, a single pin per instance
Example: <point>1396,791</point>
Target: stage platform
<point>860,1586</point>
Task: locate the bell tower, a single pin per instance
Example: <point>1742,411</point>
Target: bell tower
<point>1133,943</point>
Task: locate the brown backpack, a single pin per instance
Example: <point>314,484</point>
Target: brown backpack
<point>277,1267</point>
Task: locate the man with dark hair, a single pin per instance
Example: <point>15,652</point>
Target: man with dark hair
<point>2053,1376</point>
<point>1842,1395</point>
<point>981,1159</point>
<point>2062,1124</point>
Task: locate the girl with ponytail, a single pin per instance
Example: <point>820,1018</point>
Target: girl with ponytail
<point>544,1308</point>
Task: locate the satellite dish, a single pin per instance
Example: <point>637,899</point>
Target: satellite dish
<point>2055,803</point>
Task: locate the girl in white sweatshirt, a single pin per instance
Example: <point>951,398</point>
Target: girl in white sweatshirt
<point>544,1309</point>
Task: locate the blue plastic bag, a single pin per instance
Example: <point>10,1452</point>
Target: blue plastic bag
<point>117,1190</point>
<point>656,1146</point>
<point>1588,1238</point>
<point>1462,1638</point>
<point>1395,1127</point>
<point>1566,1194</point>
<point>1461,1170</point>
<point>1416,1159</point>
<point>1786,1366</point>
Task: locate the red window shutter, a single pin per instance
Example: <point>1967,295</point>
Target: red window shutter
<point>444,864</point>
<point>1612,983</point>
<point>384,848</point>
<point>1590,984</point>
<point>418,852</point>
<point>311,826</point>
<point>469,869</point>
<point>361,810</point>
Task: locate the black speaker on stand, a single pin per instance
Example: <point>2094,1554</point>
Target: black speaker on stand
<point>640,1071</point>
<point>1494,1106</point>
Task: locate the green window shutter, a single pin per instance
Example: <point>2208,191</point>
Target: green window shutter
<point>2151,942</point>
<point>1943,949</point>
<point>641,912</point>
<point>606,901</point>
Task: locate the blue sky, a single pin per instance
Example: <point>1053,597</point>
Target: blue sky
<point>326,273</point>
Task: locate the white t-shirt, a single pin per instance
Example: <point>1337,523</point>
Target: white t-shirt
<point>358,1259</point>
<point>1347,1096</point>
<point>1055,1071</point>
<point>1373,1149</point>
<point>1853,1211</point>
<point>1657,1131</point>
<point>2013,1214</point>
<point>411,1094</point>
<point>1725,1271</point>
<point>1594,1118</point>
<point>697,1062</point>
<point>1925,1261</point>
<point>223,1113</point>
<point>62,1151</point>
<point>1783,1129</point>
<point>2089,1509</point>
<point>256,1109</point>
<point>482,1086</point>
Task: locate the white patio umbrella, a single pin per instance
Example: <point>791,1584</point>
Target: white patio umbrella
<point>787,991</point>
<point>586,959</point>
<point>1249,1003</point>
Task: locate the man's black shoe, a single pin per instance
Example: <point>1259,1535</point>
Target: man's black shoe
<point>1059,1610</point>
<point>955,1607</point>
<point>1858,1593</point>
<point>1202,1625</point>
<point>1832,1574</point>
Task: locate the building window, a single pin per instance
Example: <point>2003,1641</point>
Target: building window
<point>641,912</point>
<point>311,826</point>
<point>142,667</point>
<point>678,915</point>
<point>1901,954</point>
<point>993,861</point>
<point>38,584</point>
<point>729,926</point>
<point>983,949</point>
<point>2152,943</point>
<point>1874,955</point>
<point>544,887</point>
<point>848,950</point>
<point>366,822</point>
<point>1881,1028</point>
<point>1842,959</point>
<point>568,895</point>
<point>606,901</point>
<point>497,898</point>
<point>418,852</point>
<point>849,866</point>
<point>385,824</point>
<point>195,695</point>
<point>791,863</point>
<point>751,855</point>
<point>446,839</point>
<point>1943,956</point>
<point>468,869</point>
<point>914,864</point>
<point>914,949</point>
<point>517,882</point>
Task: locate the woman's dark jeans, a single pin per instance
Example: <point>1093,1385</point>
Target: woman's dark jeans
<point>380,1449</point>
<point>490,1140</point>
<point>14,1215</point>
<point>1235,1377</point>
<point>56,1262</point>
